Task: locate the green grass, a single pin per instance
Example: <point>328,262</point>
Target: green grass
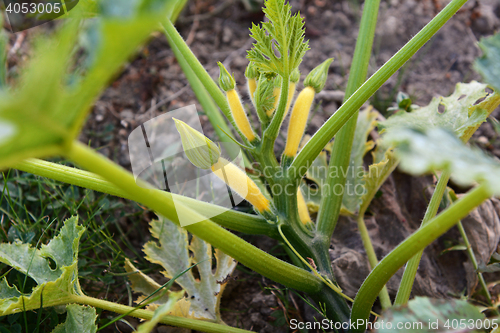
<point>32,210</point>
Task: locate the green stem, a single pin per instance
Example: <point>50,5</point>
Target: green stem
<point>480,276</point>
<point>410,272</point>
<point>193,324</point>
<point>408,248</point>
<point>331,202</point>
<point>314,146</point>
<point>247,254</point>
<point>334,303</point>
<point>232,219</point>
<point>385,300</point>
<point>175,38</point>
<point>206,101</point>
<point>271,132</point>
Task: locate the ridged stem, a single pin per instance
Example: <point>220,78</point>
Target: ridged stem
<point>411,268</point>
<point>231,219</point>
<point>193,324</point>
<point>247,254</point>
<point>421,238</point>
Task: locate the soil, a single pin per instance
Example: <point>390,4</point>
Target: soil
<point>153,83</point>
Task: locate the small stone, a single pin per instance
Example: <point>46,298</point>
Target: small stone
<point>483,140</point>
<point>227,34</point>
<point>127,114</point>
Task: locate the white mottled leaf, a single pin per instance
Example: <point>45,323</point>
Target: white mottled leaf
<point>426,315</point>
<point>437,149</point>
<point>462,112</point>
<point>172,251</point>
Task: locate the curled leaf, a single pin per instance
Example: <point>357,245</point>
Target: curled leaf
<point>462,112</point>
<point>424,315</point>
<point>172,251</point>
<point>54,286</point>
<point>438,149</point>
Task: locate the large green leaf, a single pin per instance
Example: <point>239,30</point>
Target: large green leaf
<point>489,64</point>
<point>437,149</point>
<point>54,285</point>
<point>462,112</point>
<point>49,103</point>
<point>79,319</point>
<point>172,252</point>
<point>424,315</point>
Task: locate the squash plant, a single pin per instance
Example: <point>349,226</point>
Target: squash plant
<point>43,120</point>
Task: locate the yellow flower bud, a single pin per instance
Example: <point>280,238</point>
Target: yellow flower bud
<point>302,206</point>
<point>276,95</point>
<point>239,181</point>
<point>251,73</point>
<point>294,78</point>
<point>199,149</point>
<point>291,93</point>
<point>252,86</point>
<point>239,114</point>
<point>226,80</point>
<point>298,120</point>
<point>317,77</point>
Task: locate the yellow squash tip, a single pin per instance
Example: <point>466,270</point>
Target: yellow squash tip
<point>239,181</point>
<point>239,114</point>
<point>298,120</point>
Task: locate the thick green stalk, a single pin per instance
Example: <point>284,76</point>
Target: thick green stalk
<point>174,38</point>
<point>336,121</point>
<point>245,253</point>
<point>411,268</point>
<point>206,101</point>
<point>271,132</point>
<point>177,9</point>
<point>193,324</point>
<point>331,202</point>
<point>408,248</point>
<point>231,219</point>
<point>385,300</point>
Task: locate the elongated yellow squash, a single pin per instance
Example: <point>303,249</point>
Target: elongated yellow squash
<point>298,120</point>
<point>304,216</point>
<point>291,93</point>
<point>239,181</point>
<point>239,114</point>
<point>252,86</point>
